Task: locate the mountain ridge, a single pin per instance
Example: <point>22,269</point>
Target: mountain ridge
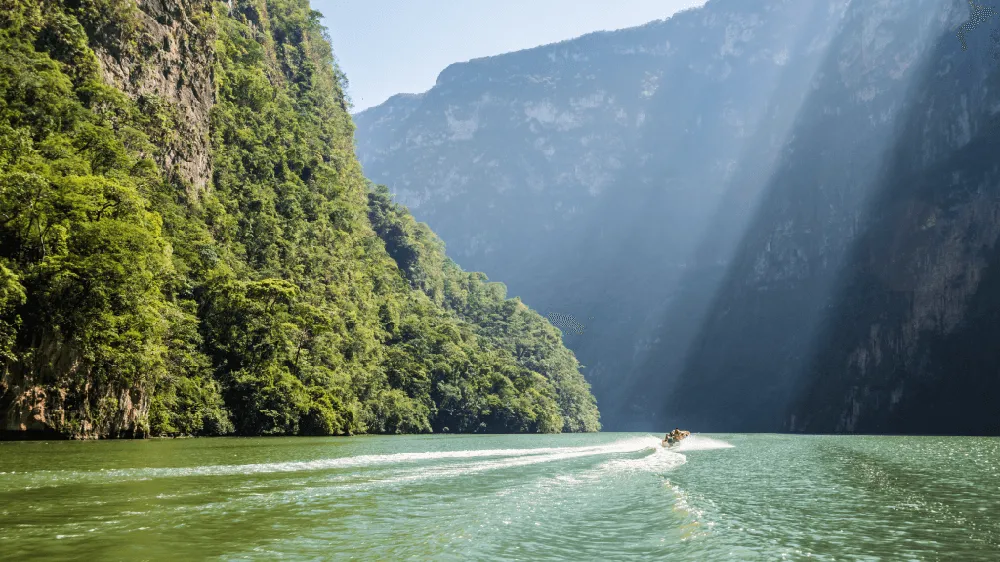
<point>706,204</point>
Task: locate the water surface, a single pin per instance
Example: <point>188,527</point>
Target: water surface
<point>527,497</point>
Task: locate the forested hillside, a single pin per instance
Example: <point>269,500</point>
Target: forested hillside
<point>188,244</point>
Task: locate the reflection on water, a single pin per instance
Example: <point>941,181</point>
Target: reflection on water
<point>602,496</point>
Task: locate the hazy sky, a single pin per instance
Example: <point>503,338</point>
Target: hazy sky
<point>392,46</point>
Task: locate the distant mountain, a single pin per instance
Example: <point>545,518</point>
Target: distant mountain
<point>780,215</point>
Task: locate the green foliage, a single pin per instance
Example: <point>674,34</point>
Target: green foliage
<point>288,298</point>
<point>11,296</point>
<point>506,324</point>
<point>187,400</point>
<point>79,243</point>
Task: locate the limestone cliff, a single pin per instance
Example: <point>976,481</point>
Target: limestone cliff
<point>163,58</point>
<point>854,290</point>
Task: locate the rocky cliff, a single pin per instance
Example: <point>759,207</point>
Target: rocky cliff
<point>864,250</point>
<point>162,59</point>
<point>777,213</point>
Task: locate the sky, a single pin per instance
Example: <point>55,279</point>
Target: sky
<point>388,47</point>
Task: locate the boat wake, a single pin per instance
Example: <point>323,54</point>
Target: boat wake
<point>699,443</point>
<point>389,473</point>
<point>431,464</point>
<point>625,446</point>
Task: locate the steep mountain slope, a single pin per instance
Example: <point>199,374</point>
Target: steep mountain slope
<point>725,193</point>
<point>187,245</point>
<point>863,241</point>
<point>585,172</point>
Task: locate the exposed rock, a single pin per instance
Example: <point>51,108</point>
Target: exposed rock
<point>48,399</point>
<point>171,66</point>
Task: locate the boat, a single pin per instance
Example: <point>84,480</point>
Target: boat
<point>675,437</point>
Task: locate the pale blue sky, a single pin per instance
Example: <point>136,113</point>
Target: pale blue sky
<point>392,46</point>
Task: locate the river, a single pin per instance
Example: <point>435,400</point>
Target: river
<point>605,496</point>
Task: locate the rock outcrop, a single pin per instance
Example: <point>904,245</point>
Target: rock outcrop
<point>164,60</point>
<point>56,396</point>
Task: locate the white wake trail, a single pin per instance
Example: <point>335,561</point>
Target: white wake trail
<point>509,458</point>
<point>700,443</point>
<point>633,445</point>
<point>543,454</point>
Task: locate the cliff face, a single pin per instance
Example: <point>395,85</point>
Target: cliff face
<point>188,246</point>
<point>907,346</point>
<point>775,212</point>
<point>163,60</point>
<point>592,167</point>
<point>852,296</point>
<point>172,65</point>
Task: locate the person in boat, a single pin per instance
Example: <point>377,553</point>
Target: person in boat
<point>671,437</point>
<point>675,436</point>
<point>668,439</point>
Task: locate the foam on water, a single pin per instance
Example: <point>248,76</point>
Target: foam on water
<point>660,459</point>
<point>699,443</point>
<point>512,457</point>
<point>633,445</point>
<point>656,458</point>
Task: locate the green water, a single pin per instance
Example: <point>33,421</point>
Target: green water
<point>569,497</point>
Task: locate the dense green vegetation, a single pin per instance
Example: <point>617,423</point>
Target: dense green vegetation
<point>289,297</point>
<point>506,324</point>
